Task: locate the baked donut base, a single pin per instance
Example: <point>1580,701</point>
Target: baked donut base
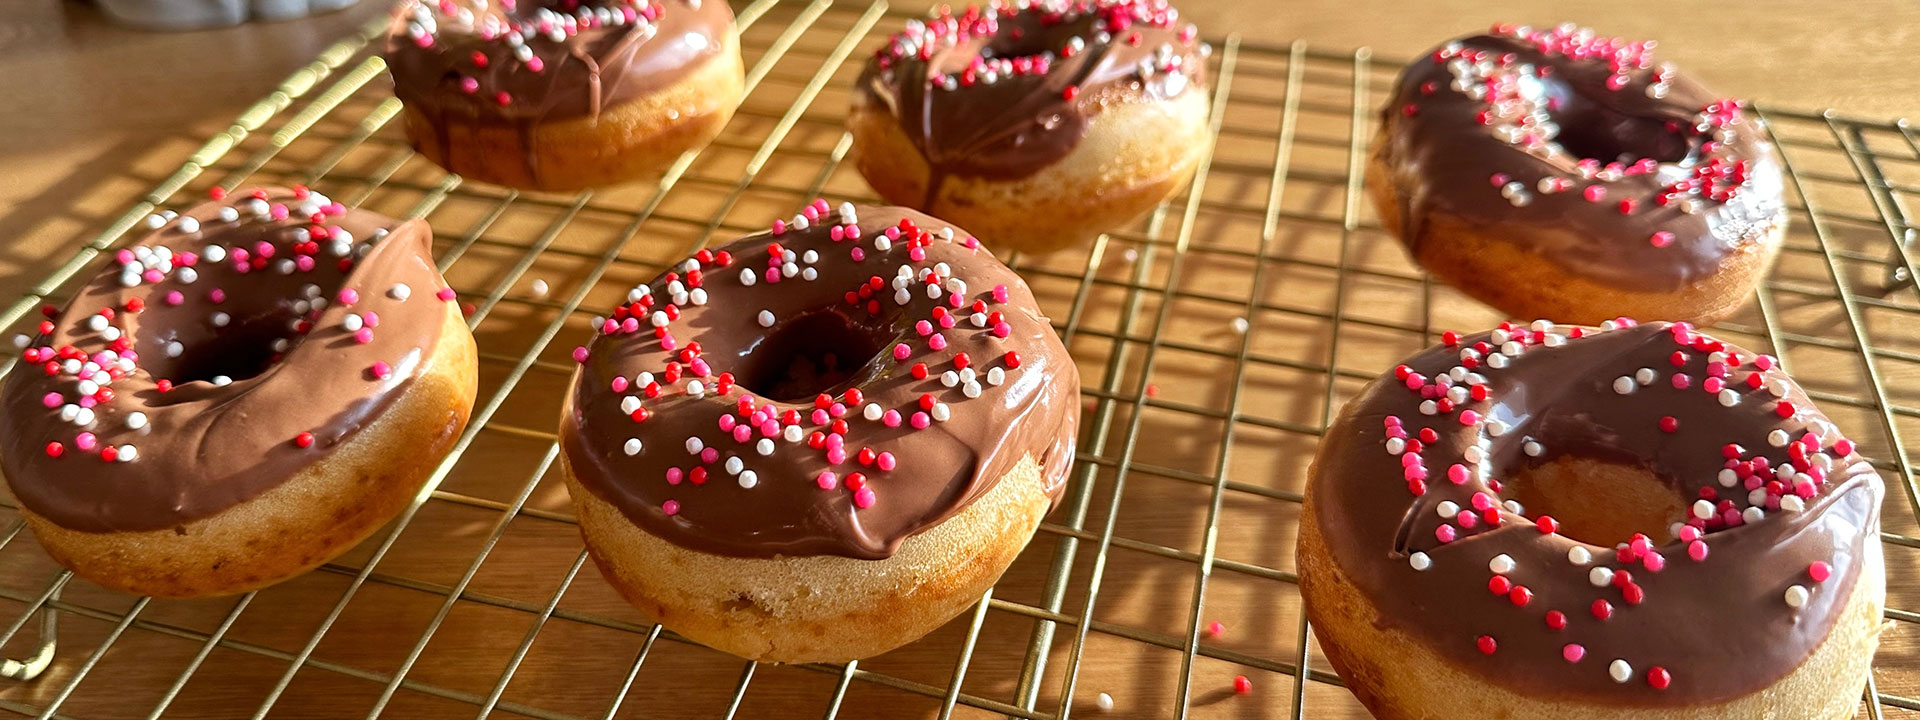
<point>318,514</point>
<point>1398,678</point>
<point>823,608</point>
<point>624,142</point>
<point>1135,154</point>
<point>1481,262</point>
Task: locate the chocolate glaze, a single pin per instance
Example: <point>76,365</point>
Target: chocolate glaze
<point>635,49</point>
<point>941,469</point>
<point>205,448</point>
<point>1449,153</point>
<point>1720,626</point>
<point>1023,121</point>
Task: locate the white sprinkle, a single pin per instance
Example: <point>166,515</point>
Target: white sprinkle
<point>1729,478</point>
<point>1797,596</point>
<point>1532,448</point>
<point>696,388</point>
<point>749,478</point>
<point>1620,671</point>
<point>902,297</point>
<point>764,446</point>
<point>1496,361</point>
<point>83,416</point>
<point>1500,564</point>
<point>808,274</point>
<point>1703,509</point>
<point>1578,555</point>
<point>1447,509</point>
<point>400,291</point>
<point>1623,385</point>
<point>1419,560</point>
<point>1395,446</point>
<point>1778,438</point>
<point>792,433</point>
<point>136,420</point>
<point>69,411</point>
<point>1429,407</point>
<point>353,322</point>
<point>873,411</point>
<point>280,345</point>
<point>1758,496</point>
<point>971,390</point>
<point>156,221</point>
<point>949,378</point>
<point>941,412</point>
<point>766,318</point>
<point>1240,325</point>
<point>1104,702</point>
<point>629,404</point>
<point>1729,398</point>
<point>658,318</point>
<point>694,446</point>
<point>188,225</point>
<point>881,243</point>
<point>1496,428</point>
<point>1600,576</point>
<point>228,214</point>
<point>1753,515</point>
<point>996,375</point>
<point>129,453</point>
<point>539,288</point>
<point>734,465</point>
<point>632,446</point>
<point>1793,504</point>
<point>219,319</point>
<point>1645,376</point>
<point>221,381</point>
<point>979,319</point>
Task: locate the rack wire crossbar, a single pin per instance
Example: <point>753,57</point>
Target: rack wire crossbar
<point>1216,339</point>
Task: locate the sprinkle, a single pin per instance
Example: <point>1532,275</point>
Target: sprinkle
<point>1104,702</point>
<point>1487,644</point>
<point>670,507</point>
<point>400,291</point>
<point>766,318</point>
<point>1797,596</point>
<point>1501,564</point>
<point>1620,671</point>
<point>1573,652</point>
<point>1242,686</point>
<point>1420,561</point>
<point>1819,571</point>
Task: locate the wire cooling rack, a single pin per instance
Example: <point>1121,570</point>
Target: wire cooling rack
<point>1216,338</point>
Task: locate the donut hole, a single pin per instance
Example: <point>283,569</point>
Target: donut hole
<point>1599,502</point>
<point>241,351</point>
<point>820,352</point>
<point>1591,130</point>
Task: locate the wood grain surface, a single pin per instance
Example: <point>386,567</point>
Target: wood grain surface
<point>1195,438</point>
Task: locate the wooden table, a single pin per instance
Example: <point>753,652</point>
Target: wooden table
<point>115,111</point>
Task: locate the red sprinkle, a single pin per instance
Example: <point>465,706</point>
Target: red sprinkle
<point>1487,644</point>
<point>1242,686</point>
<point>304,440</point>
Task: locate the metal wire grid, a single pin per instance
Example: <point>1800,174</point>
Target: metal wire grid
<point>1215,339</point>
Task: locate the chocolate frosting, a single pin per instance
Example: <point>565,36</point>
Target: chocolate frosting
<point>1538,136</point>
<point>184,315</point>
<point>925,329</point>
<point>1006,92</point>
<point>553,59</point>
<point>1717,628</point>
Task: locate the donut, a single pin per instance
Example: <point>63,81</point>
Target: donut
<point>1037,123</point>
<point>1560,174</point>
<point>820,442</point>
<point>563,94</point>
<point>241,394</point>
<point>1633,521</point>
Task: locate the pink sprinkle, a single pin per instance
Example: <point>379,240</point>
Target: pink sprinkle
<point>88,401</point>
<point>371,318</point>
<point>921,420</point>
<point>1764,362</point>
<point>826,480</point>
<point>1681,381</point>
<point>536,64</point>
<point>1697,550</point>
<point>675,475</point>
<point>1482,501</point>
<point>891,418</point>
<point>742,433</point>
<point>858,254</point>
<point>175,298</point>
<point>853,232</point>
<point>837,410</point>
<point>124,256</point>
<point>630,325</point>
<point>864,498</point>
<point>84,441</point>
<point>820,417</point>
<point>779,227</point>
<point>1819,571</point>
<point>1713,385</point>
<point>901,351</point>
<point>1595,193</point>
<point>363,335</point>
<point>885,461</point>
<point>619,383</point>
<point>152,276</point>
<point>1469,417</point>
<point>1843,447</point>
<point>709,455</point>
<point>446,294</point>
<point>917,254</point>
<point>726,423</point>
<point>1000,293</point>
<point>1661,239</point>
<point>380,369</point>
<point>1458,474</point>
<point>670,507</point>
<point>939,342</point>
<point>923,327</point>
<point>580,354</point>
<point>1444,533</point>
<point>1655,562</point>
<point>303,263</point>
<point>838,233</point>
<point>836,455</point>
<point>51,400</point>
<point>1002,330</point>
<point>1573,652</point>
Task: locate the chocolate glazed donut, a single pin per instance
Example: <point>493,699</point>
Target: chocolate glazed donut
<point>242,394</point>
<point>1559,174</point>
<point>1035,123</point>
<point>822,442</point>
<point>1696,539</point>
<point>563,94</point>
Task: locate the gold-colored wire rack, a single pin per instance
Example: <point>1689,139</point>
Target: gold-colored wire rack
<point>1216,338</point>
